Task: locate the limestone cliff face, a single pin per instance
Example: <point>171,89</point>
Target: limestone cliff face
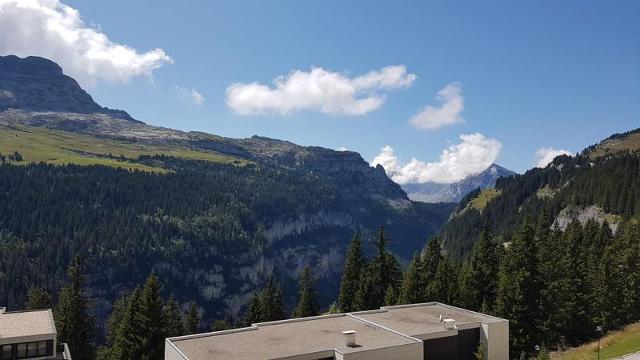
<point>304,223</point>
<point>583,214</point>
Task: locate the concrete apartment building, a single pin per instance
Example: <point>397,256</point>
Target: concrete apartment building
<point>430,331</point>
<point>30,335</point>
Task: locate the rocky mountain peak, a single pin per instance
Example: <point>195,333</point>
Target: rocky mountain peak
<point>36,84</point>
<point>433,192</point>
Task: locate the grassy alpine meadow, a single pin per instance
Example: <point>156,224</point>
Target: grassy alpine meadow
<point>613,345</point>
<point>59,147</point>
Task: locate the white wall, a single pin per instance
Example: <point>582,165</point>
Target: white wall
<point>496,335</point>
<point>413,351</point>
<point>171,353</point>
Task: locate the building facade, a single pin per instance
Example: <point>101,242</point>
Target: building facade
<point>428,331</point>
<point>30,335</point>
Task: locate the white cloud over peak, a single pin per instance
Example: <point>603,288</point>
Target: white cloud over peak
<point>318,89</point>
<point>546,155</point>
<point>474,154</point>
<point>192,95</point>
<point>51,29</point>
<point>448,113</point>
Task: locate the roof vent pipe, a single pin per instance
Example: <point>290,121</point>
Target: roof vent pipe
<point>349,338</point>
<point>449,324</point>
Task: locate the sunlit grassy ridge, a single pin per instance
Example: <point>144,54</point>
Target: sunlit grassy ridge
<point>481,201</point>
<point>629,142</point>
<point>614,345</point>
<point>59,147</point>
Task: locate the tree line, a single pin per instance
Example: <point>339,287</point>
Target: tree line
<point>556,288</point>
<point>142,319</point>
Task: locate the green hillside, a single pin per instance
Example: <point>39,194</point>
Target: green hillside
<point>616,344</point>
<point>60,147</point>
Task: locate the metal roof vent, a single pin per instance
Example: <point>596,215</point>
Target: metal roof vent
<point>449,324</point>
<point>349,338</point>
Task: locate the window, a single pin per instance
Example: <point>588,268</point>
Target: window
<point>28,350</point>
<point>32,349</point>
<point>42,348</point>
<point>6,352</point>
<point>22,351</point>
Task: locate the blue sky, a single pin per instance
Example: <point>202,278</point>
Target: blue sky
<point>533,74</point>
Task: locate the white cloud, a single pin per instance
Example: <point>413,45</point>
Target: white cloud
<point>318,89</point>
<point>546,155</point>
<point>51,29</point>
<point>434,117</point>
<point>342,148</point>
<point>473,155</point>
<point>191,95</point>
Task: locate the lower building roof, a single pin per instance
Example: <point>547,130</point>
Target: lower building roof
<point>289,338</point>
<point>17,324</point>
<point>418,320</point>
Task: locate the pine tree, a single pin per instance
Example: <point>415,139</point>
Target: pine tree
<point>414,284</point>
<point>152,320</point>
<point>220,325</point>
<point>431,260</point>
<point>391,296</point>
<point>173,318</point>
<point>519,291</point>
<point>445,283</point>
<point>351,275</point>
<point>367,297</point>
<point>254,311</point>
<point>484,264</point>
<point>37,298</point>
<point>628,234</point>
<point>582,324</point>
<point>467,293</point>
<point>271,301</point>
<point>74,324</point>
<point>610,287</point>
<point>555,296</point>
<point>308,302</point>
<point>118,312</point>
<point>128,343</point>
<point>193,319</point>
<point>380,274</point>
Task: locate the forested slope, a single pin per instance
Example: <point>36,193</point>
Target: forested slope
<point>611,183</point>
<point>212,232</point>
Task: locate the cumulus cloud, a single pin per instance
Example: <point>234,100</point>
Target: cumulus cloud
<point>318,89</point>
<point>192,95</point>
<point>474,154</point>
<point>51,29</point>
<point>546,155</point>
<point>448,113</point>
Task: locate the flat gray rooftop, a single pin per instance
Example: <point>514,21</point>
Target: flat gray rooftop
<point>288,338</point>
<point>387,327</point>
<point>422,319</point>
<point>25,323</point>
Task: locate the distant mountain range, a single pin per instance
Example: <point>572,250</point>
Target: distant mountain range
<point>431,192</point>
